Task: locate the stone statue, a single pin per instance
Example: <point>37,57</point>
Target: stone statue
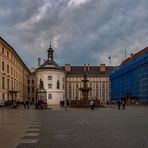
<point>41,84</point>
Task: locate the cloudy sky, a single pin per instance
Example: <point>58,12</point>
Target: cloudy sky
<point>81,31</point>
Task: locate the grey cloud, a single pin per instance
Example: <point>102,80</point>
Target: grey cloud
<point>85,33</point>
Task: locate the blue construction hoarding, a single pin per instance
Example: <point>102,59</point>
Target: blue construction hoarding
<point>131,80</point>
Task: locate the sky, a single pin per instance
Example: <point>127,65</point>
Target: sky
<point>81,31</point>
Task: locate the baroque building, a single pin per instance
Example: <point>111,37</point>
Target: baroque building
<point>53,78</point>
<point>98,77</point>
<point>62,82</point>
<point>13,74</point>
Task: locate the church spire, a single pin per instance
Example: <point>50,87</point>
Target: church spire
<point>50,52</point>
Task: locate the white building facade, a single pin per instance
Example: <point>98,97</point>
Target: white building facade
<point>54,84</point>
<point>53,79</point>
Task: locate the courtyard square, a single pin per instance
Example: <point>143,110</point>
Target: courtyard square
<point>77,128</point>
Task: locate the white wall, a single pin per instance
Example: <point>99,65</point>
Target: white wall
<point>57,94</point>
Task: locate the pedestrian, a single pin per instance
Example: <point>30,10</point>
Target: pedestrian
<point>27,104</point>
<point>123,104</point>
<point>67,105</point>
<point>119,104</point>
<point>14,105</point>
<point>18,103</point>
<point>92,105</point>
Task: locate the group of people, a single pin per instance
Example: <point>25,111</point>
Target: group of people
<point>15,104</point>
<point>67,103</point>
<point>41,104</point>
<point>121,103</point>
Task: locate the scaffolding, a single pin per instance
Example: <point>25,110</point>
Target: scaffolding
<point>131,80</point>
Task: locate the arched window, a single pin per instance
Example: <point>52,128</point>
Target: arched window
<point>49,96</point>
<point>58,84</point>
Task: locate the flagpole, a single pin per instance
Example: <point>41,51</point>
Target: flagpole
<point>109,60</point>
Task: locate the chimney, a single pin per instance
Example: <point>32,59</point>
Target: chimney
<point>102,68</point>
<point>84,67</point>
<point>67,67</point>
<point>88,68</point>
<point>39,62</point>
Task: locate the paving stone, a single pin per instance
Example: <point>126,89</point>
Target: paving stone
<point>32,134</point>
<point>28,141</point>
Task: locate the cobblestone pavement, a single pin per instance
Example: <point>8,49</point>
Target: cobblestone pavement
<point>13,124</point>
<point>83,128</point>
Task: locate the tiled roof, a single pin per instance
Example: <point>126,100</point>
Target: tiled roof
<point>50,64</point>
<point>93,71</point>
<point>138,54</point>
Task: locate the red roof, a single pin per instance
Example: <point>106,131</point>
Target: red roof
<point>93,70</point>
<point>136,55</point>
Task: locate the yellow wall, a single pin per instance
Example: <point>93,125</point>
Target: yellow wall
<point>15,73</point>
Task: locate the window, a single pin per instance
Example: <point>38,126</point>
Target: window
<point>7,54</point>
<point>12,84</point>
<point>58,84</point>
<point>28,81</point>
<point>11,71</point>
<point>7,68</point>
<point>91,92</point>
<point>7,83</point>
<point>70,90</point>
<point>103,85</point>
<point>3,51</point>
<point>49,77</point>
<point>32,82</point>
<point>28,89</point>
<point>49,96</point>
<point>3,96</point>
<point>49,86</point>
<point>97,90</point>
<point>3,82</point>
<point>32,89</point>
<point>103,90</point>
<point>77,91</point>
<point>3,66</point>
<point>63,83</point>
<point>32,99</point>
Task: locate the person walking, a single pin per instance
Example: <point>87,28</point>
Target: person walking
<point>123,104</point>
<point>27,104</point>
<point>119,104</point>
<point>92,105</point>
<point>67,105</point>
